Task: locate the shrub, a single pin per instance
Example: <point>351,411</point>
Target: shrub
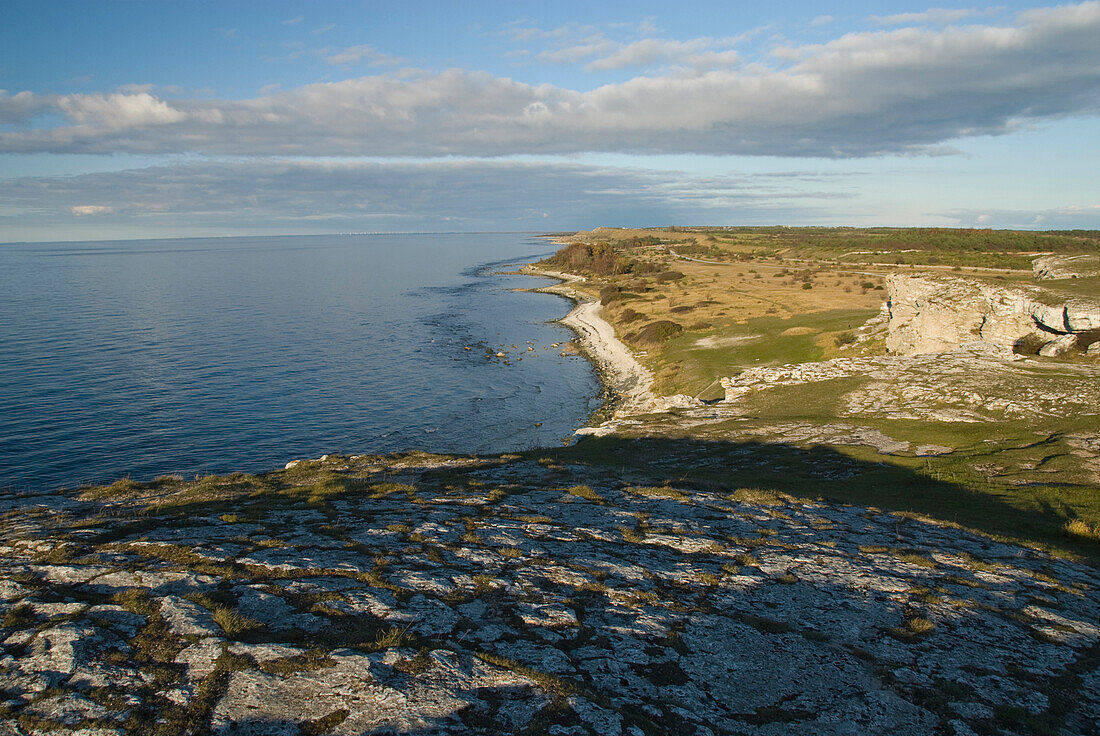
<point>658,332</point>
<point>609,294</point>
<point>666,276</point>
<point>598,258</point>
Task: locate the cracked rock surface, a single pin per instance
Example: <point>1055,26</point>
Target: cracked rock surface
<point>429,595</point>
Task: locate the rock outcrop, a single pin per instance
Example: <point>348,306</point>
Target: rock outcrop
<point>1066,267</point>
<point>932,314</point>
<point>505,597</point>
<point>972,385</point>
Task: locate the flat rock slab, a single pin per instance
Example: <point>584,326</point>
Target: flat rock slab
<point>368,696</point>
<point>483,597</point>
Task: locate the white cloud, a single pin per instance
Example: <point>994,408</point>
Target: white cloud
<point>370,54</point>
<point>81,210</point>
<point>21,106</point>
<point>579,52</point>
<point>932,16</point>
<point>890,91</point>
<point>118,111</point>
<point>822,20</point>
<point>130,89</point>
<point>696,53</point>
<point>323,29</point>
<point>268,194</point>
<point>1066,217</point>
<point>294,21</point>
<point>572,44</point>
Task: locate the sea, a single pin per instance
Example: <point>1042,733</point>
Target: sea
<point>212,355</point>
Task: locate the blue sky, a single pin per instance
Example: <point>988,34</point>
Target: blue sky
<point>150,119</point>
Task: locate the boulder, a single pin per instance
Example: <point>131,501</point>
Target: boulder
<point>1059,346</point>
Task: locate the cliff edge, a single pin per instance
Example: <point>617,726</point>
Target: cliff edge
<point>932,314</point>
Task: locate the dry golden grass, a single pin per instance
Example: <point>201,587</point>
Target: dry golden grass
<point>919,625</point>
<point>584,492</point>
<point>760,497</point>
<point>232,621</point>
<point>1082,530</point>
<point>658,492</point>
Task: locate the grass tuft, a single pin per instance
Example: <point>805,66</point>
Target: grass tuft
<point>1081,530</point>
<point>658,492</point>
<point>584,492</point>
<point>232,621</point>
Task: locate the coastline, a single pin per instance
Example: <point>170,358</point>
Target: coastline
<point>629,382</point>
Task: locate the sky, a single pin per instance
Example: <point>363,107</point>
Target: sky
<point>153,118</point>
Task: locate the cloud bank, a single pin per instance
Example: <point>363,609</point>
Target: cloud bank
<point>888,91</point>
<point>270,195</point>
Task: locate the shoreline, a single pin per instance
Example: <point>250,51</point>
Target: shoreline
<point>629,382</point>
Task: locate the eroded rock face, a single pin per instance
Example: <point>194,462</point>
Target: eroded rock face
<point>932,314</point>
<point>1066,267</point>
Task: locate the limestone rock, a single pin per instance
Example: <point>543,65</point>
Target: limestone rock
<point>186,618</point>
<point>374,697</point>
<point>930,450</point>
<point>668,403</point>
<point>975,384</point>
<point>1066,267</point>
<point>1059,346</point>
<point>274,612</point>
<point>199,658</point>
<point>1082,316</point>
<point>931,314</point>
<point>69,709</point>
<point>117,618</point>
<point>566,616</point>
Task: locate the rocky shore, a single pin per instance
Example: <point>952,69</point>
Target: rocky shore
<point>629,382</point>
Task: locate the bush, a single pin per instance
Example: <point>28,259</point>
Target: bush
<point>597,258</point>
<point>658,332</point>
<point>666,276</point>
<point>610,294</point>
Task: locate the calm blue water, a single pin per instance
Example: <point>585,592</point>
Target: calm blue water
<point>144,358</point>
